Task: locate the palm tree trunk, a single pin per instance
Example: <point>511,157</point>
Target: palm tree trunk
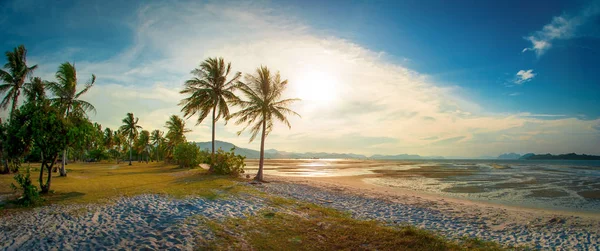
<point>14,103</point>
<point>130,154</point>
<point>63,171</point>
<point>212,156</point>
<point>259,175</point>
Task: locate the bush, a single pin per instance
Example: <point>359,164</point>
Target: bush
<point>187,155</point>
<point>228,163</point>
<point>30,196</point>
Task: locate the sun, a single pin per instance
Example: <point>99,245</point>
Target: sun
<point>316,87</point>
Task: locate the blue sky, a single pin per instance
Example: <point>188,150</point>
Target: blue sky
<point>464,78</point>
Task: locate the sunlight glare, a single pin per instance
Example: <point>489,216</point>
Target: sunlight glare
<point>317,87</point>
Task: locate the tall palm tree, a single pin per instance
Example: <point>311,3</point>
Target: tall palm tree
<point>14,76</point>
<point>210,91</point>
<point>35,90</point>
<point>67,98</point>
<point>156,137</point>
<point>130,129</point>
<point>263,91</point>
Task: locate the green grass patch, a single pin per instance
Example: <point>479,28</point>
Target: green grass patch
<point>303,226</point>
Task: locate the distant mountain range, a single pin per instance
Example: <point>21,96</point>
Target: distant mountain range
<point>532,156</point>
<point>275,154</point>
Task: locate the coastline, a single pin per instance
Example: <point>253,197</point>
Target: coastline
<point>500,216</point>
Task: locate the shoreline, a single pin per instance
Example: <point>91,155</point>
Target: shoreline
<point>503,215</point>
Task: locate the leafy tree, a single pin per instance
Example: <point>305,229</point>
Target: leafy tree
<point>264,104</point>
<point>130,129</point>
<point>156,139</point>
<point>210,91</point>
<point>50,132</point>
<point>14,75</point>
<point>17,139</point>
<point>68,99</point>
<point>187,154</point>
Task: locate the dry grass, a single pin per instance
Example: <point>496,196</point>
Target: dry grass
<point>99,182</point>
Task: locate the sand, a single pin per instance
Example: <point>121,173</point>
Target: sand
<point>454,218</point>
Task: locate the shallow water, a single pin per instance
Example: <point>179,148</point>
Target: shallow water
<point>563,185</point>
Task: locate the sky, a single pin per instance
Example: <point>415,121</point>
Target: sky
<point>443,78</point>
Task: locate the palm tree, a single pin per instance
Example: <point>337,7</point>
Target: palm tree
<point>67,98</point>
<point>210,91</point>
<point>118,138</point>
<point>35,90</point>
<point>109,140</point>
<point>14,77</point>
<point>176,130</point>
<point>144,142</point>
<point>130,129</point>
<point>156,137</point>
<point>263,91</point>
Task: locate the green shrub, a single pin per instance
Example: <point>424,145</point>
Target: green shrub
<point>187,155</point>
<point>228,163</point>
<point>30,196</point>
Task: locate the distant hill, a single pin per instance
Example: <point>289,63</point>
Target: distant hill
<point>568,156</point>
<point>275,154</point>
<point>509,156</point>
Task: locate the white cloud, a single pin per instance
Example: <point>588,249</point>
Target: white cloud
<point>561,27</point>
<point>524,76</point>
<point>378,106</point>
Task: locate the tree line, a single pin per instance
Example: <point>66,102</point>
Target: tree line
<point>52,123</point>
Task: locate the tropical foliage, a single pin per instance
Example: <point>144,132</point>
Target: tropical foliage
<point>52,123</point>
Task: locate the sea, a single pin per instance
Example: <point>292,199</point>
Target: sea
<point>568,185</point>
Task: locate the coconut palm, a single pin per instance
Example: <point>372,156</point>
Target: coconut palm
<point>67,98</point>
<point>176,130</point>
<point>14,75</point>
<point>264,104</point>
<point>130,130</point>
<point>109,140</point>
<point>156,137</point>
<point>210,91</point>
<point>143,143</point>
<point>119,139</point>
<point>35,90</point>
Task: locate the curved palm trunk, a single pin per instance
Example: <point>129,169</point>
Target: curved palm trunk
<point>259,175</point>
<point>130,156</point>
<point>212,156</point>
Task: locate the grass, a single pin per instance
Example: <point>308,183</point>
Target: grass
<point>291,225</point>
<point>99,182</point>
<point>286,225</point>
